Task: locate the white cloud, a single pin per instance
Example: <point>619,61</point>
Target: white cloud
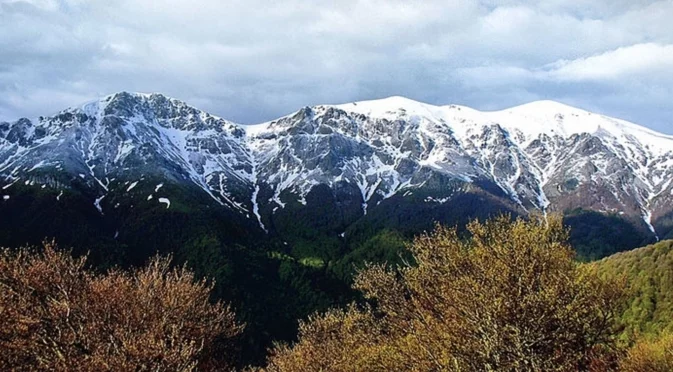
<point>640,60</point>
<point>253,60</point>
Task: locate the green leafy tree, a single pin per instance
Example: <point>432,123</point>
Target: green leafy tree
<point>510,297</point>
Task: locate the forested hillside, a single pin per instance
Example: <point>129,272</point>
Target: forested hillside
<point>649,276</point>
<point>504,294</point>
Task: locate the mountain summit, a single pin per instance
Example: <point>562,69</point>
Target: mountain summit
<point>372,163</point>
<point>543,155</point>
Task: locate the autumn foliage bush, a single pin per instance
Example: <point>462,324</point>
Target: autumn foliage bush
<point>510,297</point>
<point>56,315</point>
<point>650,355</point>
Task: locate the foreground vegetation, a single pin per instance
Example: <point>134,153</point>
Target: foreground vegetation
<point>58,316</point>
<point>506,296</point>
<point>305,264</point>
<point>510,298</point>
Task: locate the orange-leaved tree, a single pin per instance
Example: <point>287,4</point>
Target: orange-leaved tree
<point>57,315</point>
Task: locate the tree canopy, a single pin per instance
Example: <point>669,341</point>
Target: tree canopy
<point>508,297</point>
<point>57,315</point>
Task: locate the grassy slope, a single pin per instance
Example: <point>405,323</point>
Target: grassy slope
<point>649,274</point>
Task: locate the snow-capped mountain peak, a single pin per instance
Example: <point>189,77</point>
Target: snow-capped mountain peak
<point>154,106</point>
<point>550,117</point>
<point>531,119</point>
<point>390,106</point>
<point>539,156</point>
<point>542,154</point>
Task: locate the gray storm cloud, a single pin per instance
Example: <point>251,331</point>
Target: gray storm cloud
<point>254,60</point>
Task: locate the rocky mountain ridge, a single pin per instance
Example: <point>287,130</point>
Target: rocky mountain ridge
<point>536,158</point>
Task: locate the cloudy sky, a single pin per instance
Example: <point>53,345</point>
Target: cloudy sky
<point>254,60</point>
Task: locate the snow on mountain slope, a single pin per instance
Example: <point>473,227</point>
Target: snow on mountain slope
<point>128,136</point>
<point>534,119</point>
<point>542,156</point>
<point>529,120</point>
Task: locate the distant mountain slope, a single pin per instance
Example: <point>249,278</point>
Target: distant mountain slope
<point>332,175</point>
<point>649,274</point>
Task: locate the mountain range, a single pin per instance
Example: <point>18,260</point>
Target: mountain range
<point>343,172</point>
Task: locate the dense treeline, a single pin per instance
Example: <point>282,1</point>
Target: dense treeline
<point>595,235</point>
<point>648,318</point>
<point>304,265</point>
<point>649,273</point>
<point>509,295</point>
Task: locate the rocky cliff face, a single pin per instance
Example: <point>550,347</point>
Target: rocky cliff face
<point>354,158</point>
